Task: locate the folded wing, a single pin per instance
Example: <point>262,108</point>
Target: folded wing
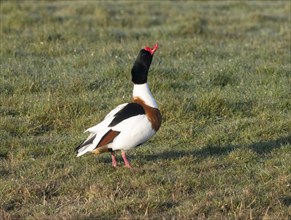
<point>104,132</point>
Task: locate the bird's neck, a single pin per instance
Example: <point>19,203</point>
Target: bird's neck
<point>143,92</point>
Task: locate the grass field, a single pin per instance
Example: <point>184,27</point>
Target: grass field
<point>221,77</point>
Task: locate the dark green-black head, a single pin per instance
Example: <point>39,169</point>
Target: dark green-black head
<point>139,71</point>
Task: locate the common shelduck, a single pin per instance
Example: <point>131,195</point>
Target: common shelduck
<point>130,124</point>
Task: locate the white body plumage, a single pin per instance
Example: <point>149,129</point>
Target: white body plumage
<point>133,131</point>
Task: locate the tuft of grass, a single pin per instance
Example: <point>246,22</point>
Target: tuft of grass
<point>221,78</point>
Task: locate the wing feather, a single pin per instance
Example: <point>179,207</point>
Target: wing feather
<point>113,124</point>
<point>128,111</point>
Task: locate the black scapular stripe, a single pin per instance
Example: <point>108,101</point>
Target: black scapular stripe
<point>130,110</point>
<point>86,142</point>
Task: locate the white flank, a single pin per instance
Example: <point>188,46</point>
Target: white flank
<point>133,131</point>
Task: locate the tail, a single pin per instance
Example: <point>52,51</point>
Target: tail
<point>86,145</point>
<point>95,143</point>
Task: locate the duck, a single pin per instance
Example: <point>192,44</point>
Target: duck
<point>131,124</point>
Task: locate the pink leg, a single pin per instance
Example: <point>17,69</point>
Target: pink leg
<point>113,159</point>
<point>127,164</point>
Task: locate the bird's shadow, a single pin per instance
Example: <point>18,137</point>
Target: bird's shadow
<point>261,148</point>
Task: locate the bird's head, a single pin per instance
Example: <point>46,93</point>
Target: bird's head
<point>139,71</point>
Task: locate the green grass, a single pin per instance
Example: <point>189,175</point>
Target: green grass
<point>221,78</point>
